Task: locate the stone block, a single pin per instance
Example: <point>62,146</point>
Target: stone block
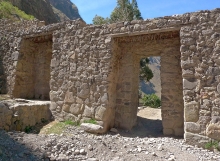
<point>213,131</point>
<point>88,112</point>
<point>192,127</point>
<point>195,139</point>
<point>83,91</point>
<point>69,97</point>
<point>188,85</point>
<point>191,112</point>
<point>92,128</point>
<point>76,109</point>
<point>100,111</point>
<point>66,108</point>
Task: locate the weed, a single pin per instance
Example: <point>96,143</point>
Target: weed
<point>28,129</point>
<point>43,120</point>
<point>212,144</point>
<point>70,122</point>
<point>91,121</point>
<point>59,127</point>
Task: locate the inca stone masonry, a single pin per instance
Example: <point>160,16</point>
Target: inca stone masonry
<point>91,71</point>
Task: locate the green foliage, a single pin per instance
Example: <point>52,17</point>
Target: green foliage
<point>70,122</point>
<point>151,100</point>
<point>145,72</point>
<point>91,121</point>
<point>212,144</point>
<point>7,10</point>
<point>28,129</point>
<point>136,11</point>
<point>124,11</point>
<point>98,20</point>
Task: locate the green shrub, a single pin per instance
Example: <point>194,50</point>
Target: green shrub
<point>91,121</point>
<point>28,129</point>
<point>151,100</point>
<point>212,144</point>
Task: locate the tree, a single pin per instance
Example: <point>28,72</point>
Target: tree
<point>145,72</point>
<point>136,11</point>
<point>124,11</point>
<point>98,20</point>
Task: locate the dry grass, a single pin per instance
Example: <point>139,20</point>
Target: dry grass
<point>4,97</point>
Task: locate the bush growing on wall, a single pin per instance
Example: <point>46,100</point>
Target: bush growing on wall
<point>151,100</point>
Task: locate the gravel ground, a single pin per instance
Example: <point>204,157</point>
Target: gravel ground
<point>76,145</point>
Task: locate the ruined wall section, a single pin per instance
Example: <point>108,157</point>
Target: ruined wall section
<point>200,63</point>
<point>79,77</point>
<point>11,36</point>
<point>85,64</point>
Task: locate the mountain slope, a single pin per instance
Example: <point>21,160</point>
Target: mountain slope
<point>50,11</point>
<point>41,9</point>
<point>154,85</point>
<point>67,8</point>
<point>7,10</point>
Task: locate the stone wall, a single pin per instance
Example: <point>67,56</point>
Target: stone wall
<point>201,68</point>
<point>94,70</point>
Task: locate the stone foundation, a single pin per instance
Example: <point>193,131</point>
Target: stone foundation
<point>19,114</point>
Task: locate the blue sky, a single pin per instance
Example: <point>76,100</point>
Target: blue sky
<point>149,8</point>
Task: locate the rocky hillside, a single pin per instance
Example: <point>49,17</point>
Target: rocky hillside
<point>8,11</point>
<point>154,86</point>
<point>50,11</point>
<point>65,7</point>
<point>41,9</point>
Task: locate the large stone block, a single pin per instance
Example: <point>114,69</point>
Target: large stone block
<point>192,127</point>
<point>69,97</point>
<point>83,91</point>
<point>100,111</point>
<point>88,112</point>
<point>191,112</point>
<point>92,128</point>
<point>195,139</point>
<point>76,108</point>
<point>213,131</point>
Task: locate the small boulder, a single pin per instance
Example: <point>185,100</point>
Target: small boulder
<point>92,128</point>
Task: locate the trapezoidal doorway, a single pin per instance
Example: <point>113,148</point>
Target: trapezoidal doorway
<point>129,51</point>
<point>33,68</point>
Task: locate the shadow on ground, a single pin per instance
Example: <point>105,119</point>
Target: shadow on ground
<point>144,128</point>
<point>13,148</point>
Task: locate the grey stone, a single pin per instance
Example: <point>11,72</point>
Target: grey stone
<point>92,128</point>
<point>188,85</point>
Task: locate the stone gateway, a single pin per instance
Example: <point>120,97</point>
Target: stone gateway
<point>91,71</point>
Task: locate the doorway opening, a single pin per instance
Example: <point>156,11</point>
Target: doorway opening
<point>130,50</point>
<point>149,110</point>
<point>33,68</point>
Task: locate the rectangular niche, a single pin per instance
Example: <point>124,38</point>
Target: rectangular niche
<point>33,69</point>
